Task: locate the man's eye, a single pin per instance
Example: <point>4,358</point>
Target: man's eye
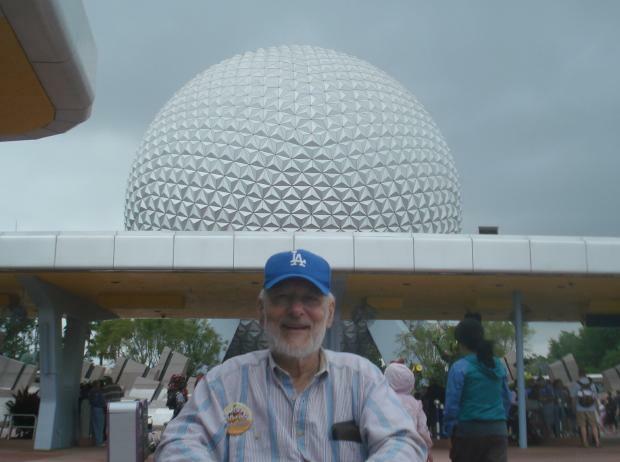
<point>310,300</point>
<point>281,299</point>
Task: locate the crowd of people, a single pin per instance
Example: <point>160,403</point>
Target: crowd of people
<point>556,410</point>
<point>479,412</point>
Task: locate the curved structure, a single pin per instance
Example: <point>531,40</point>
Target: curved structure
<point>293,138</point>
<point>48,60</point>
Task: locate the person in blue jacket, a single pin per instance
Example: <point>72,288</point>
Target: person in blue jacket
<point>477,399</point>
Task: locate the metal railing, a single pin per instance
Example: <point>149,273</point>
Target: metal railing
<point>8,423</point>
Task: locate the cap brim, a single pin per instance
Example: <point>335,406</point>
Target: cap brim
<point>324,290</point>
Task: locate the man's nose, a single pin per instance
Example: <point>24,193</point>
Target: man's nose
<point>296,308</point>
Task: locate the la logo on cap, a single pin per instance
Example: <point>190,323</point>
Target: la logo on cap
<point>298,263</point>
<point>297,259</point>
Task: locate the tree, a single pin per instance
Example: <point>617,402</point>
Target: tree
<point>610,359</point>
<point>433,344</point>
<point>107,337</point>
<point>536,365</point>
<point>20,335</point>
<point>594,348</point>
<point>143,340</point>
<point>567,342</point>
<point>504,336</point>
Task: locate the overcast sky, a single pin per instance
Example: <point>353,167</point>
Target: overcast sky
<point>526,94</point>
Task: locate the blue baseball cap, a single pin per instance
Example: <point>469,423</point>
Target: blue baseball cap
<point>298,264</point>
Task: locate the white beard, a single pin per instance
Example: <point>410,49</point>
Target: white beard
<point>280,346</point>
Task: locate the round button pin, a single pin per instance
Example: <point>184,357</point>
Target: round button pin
<point>238,418</point>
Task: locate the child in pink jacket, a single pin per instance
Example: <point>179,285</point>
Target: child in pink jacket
<point>402,381</point>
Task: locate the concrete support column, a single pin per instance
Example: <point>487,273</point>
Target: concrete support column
<point>60,365</point>
<point>518,322</point>
<point>60,360</point>
<point>50,365</point>
<point>76,334</point>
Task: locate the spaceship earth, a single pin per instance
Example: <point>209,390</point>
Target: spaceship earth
<point>291,138</point>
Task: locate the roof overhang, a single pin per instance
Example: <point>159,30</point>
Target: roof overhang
<point>386,275</point>
<point>48,61</point>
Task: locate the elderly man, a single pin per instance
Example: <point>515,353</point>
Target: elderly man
<point>294,401</point>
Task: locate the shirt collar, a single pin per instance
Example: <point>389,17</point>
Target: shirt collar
<point>323,363</point>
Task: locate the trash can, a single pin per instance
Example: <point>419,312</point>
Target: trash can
<point>128,431</point>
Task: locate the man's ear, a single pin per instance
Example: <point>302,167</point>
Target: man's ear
<point>260,311</point>
<point>331,308</point>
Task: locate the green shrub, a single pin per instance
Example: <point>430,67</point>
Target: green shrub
<point>24,403</point>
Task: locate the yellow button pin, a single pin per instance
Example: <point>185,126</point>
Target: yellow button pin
<point>238,418</point>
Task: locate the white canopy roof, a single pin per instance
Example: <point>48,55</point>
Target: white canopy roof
<point>397,276</point>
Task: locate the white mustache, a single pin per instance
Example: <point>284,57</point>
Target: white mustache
<point>292,324</point>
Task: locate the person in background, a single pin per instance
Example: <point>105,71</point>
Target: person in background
<point>431,396</point>
<point>560,394</point>
<point>402,381</point>
<point>477,399</point>
<point>84,414</point>
<point>617,401</point>
<point>601,416</point>
<point>569,412</point>
<point>513,413</point>
<point>546,398</point>
<point>610,415</point>
<point>97,412</point>
<point>177,394</point>
<point>200,373</point>
<point>586,402</point>
<point>112,392</point>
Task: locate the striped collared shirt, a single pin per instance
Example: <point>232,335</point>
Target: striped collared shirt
<point>292,426</point>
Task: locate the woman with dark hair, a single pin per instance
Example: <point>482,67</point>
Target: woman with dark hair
<point>97,412</point>
<point>477,399</point>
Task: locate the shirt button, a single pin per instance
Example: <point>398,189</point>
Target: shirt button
<point>300,433</point>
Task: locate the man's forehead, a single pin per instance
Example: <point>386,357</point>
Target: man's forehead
<point>294,284</point>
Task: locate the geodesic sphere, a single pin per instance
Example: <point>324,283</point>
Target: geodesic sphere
<point>292,138</point>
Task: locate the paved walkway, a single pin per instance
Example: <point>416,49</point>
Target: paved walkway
<point>21,451</point>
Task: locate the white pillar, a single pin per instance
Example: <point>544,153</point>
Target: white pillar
<point>50,359</point>
<point>522,398</point>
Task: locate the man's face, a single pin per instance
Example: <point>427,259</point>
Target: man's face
<point>295,315</point>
